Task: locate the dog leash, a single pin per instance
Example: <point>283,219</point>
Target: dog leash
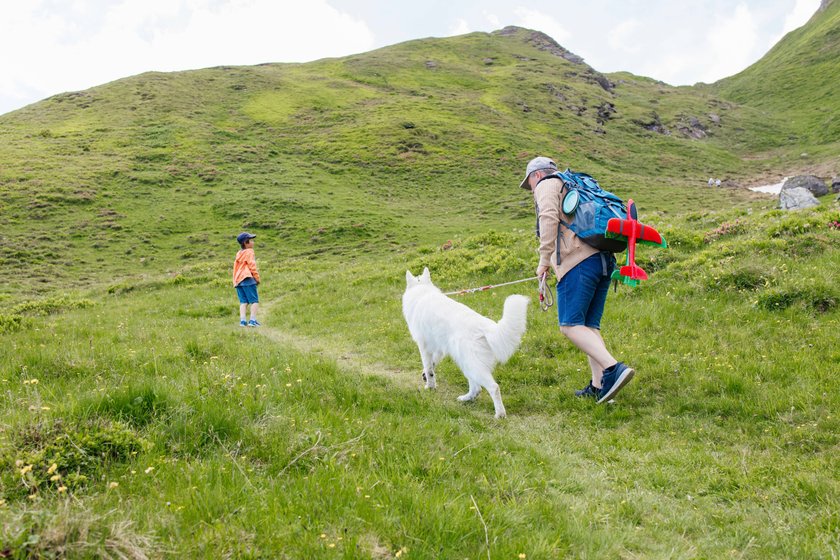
<point>546,297</point>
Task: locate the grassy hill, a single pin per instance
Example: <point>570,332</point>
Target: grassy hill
<point>795,81</point>
<point>138,421</point>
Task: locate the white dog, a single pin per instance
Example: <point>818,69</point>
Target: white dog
<point>443,327</point>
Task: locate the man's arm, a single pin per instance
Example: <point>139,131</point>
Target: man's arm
<point>548,196</point>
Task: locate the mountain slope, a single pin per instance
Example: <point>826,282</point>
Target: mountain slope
<point>408,144</point>
<point>797,79</point>
<point>156,171</point>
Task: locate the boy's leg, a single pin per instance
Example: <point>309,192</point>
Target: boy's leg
<point>243,307</point>
<point>254,307</point>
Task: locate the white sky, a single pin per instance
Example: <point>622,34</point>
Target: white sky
<point>53,46</point>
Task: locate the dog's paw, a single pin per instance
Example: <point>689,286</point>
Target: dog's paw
<point>466,397</point>
<point>501,414</point>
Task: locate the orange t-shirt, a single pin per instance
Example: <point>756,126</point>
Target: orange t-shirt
<point>245,266</point>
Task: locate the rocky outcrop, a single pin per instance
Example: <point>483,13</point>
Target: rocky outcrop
<point>814,184</point>
<point>835,185</point>
<point>692,127</point>
<point>605,112</point>
<point>797,198</point>
<point>654,124</point>
<point>543,42</point>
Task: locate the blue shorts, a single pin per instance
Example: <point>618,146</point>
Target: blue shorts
<point>582,292</point>
<point>247,294</point>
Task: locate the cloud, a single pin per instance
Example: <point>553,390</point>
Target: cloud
<point>461,27</point>
<point>493,20</point>
<point>70,46</point>
<point>725,48</point>
<point>796,18</point>
<point>624,37</point>
<point>732,43</point>
<point>533,19</point>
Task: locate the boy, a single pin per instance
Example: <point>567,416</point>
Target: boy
<point>245,279</point>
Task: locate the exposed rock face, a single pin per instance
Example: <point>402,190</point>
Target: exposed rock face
<point>797,198</point>
<point>605,112</point>
<point>692,127</point>
<point>835,185</point>
<point>545,43</point>
<point>810,182</point>
<point>654,124</point>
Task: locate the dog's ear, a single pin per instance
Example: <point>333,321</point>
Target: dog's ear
<point>426,275</point>
<point>409,277</point>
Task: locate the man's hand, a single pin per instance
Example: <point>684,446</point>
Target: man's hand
<point>541,270</point>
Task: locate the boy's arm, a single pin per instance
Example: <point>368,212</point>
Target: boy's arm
<point>252,266</point>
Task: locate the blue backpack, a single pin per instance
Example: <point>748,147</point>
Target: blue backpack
<point>590,208</point>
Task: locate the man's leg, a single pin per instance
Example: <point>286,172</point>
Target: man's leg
<point>589,342</point>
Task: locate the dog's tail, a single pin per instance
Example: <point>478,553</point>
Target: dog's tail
<point>505,338</point>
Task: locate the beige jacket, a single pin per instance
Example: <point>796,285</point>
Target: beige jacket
<point>560,248</point>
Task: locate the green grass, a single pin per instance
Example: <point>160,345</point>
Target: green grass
<point>138,420</point>
<point>312,437</point>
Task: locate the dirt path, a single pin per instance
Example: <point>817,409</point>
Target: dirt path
<point>347,360</point>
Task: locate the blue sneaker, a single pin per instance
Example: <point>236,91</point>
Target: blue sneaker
<point>615,378</point>
<point>588,391</point>
<point>243,323</point>
<point>253,323</point>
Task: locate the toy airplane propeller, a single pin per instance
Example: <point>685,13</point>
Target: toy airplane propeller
<point>633,231</point>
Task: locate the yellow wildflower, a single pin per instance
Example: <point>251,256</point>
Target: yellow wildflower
<point>62,489</point>
<point>113,485</point>
<point>52,468</point>
<point>150,469</point>
<point>55,478</point>
<point>25,469</point>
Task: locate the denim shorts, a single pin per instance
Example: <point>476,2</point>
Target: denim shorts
<point>247,294</point>
<point>582,292</point>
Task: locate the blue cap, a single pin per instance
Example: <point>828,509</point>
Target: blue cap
<point>244,236</point>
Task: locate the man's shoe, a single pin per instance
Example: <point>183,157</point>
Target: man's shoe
<point>614,379</point>
<point>588,391</point>
<point>253,323</point>
<point>243,323</point>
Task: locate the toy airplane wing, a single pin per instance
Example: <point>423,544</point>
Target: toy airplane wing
<point>631,228</point>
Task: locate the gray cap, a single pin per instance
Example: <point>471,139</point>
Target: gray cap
<point>535,164</point>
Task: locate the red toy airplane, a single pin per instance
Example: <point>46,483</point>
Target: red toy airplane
<point>633,230</point>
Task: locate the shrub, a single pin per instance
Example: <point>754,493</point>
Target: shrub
<point>816,297</point>
<point>796,224</point>
<point>50,305</point>
<point>10,323</point>
<point>58,457</point>
<point>747,278</point>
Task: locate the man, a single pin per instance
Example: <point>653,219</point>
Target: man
<point>583,280</point>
